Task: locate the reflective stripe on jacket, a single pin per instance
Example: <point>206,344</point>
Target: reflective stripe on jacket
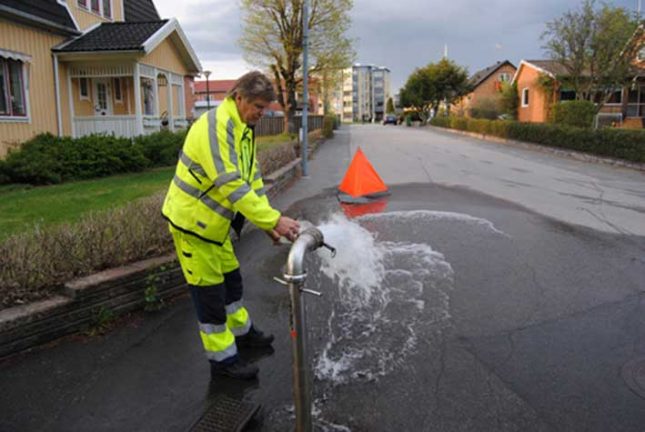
<point>217,175</point>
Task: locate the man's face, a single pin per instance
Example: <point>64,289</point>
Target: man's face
<point>250,109</point>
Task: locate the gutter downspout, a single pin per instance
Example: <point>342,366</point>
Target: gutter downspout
<point>59,114</point>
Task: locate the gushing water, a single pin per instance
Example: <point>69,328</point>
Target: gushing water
<point>384,297</point>
<point>385,290</point>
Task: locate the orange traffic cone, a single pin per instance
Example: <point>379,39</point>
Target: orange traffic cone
<point>361,185</point>
<point>361,179</point>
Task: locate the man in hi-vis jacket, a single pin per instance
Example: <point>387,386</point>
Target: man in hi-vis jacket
<point>217,185</point>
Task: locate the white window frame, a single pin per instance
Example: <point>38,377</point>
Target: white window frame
<point>525,97</point>
<point>86,5</point>
<point>85,96</point>
<point>117,83</point>
<point>25,94</point>
<point>504,77</point>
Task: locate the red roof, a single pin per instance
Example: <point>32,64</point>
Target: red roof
<point>214,86</point>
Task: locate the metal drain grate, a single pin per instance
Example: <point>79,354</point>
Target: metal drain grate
<point>634,375</point>
<point>226,415</point>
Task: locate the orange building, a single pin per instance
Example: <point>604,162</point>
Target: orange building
<point>218,89</point>
<point>626,105</point>
<point>79,67</point>
<point>487,86</point>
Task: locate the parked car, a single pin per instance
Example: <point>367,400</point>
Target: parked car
<point>390,119</point>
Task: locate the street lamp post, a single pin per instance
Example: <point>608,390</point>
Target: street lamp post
<point>207,73</point>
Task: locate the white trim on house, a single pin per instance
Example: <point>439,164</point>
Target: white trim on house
<point>164,32</point>
<point>26,84</point>
<point>69,12</point>
<point>59,114</point>
<point>529,64</point>
<point>14,55</point>
<point>36,19</point>
<point>137,99</point>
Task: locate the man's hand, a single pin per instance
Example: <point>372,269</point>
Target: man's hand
<point>287,227</point>
<point>274,236</point>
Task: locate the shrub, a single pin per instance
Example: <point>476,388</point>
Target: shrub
<point>161,148</point>
<point>48,159</point>
<point>34,264</point>
<point>488,108</point>
<point>618,143</point>
<point>328,126</point>
<point>576,113</point>
<point>510,101</point>
<point>4,173</point>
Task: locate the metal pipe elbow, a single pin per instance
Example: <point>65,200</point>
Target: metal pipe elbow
<point>309,240</point>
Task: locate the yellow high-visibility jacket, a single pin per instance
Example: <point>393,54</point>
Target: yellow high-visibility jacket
<point>217,175</point>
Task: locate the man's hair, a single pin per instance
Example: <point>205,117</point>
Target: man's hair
<point>253,85</point>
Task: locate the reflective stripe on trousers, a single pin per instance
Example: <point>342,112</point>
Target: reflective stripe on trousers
<point>237,319</point>
<point>218,341</point>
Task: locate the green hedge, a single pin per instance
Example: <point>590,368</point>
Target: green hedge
<point>48,159</point>
<point>578,113</point>
<point>627,144</point>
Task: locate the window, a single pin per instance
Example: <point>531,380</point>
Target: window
<point>13,102</point>
<point>641,54</point>
<point>504,77</point>
<point>96,7</point>
<point>616,98</point>
<point>117,90</point>
<point>84,88</point>
<point>107,9</point>
<point>525,97</point>
<point>82,3</point>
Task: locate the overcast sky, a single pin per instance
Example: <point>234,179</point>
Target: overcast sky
<point>400,35</point>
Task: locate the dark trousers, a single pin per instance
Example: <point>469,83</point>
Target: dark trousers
<point>211,301</point>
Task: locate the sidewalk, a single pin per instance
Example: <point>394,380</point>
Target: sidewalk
<point>149,373</point>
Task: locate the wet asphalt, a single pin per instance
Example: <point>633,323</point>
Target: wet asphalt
<point>490,317</point>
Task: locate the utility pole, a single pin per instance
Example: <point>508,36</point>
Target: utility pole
<point>305,93</point>
<point>207,73</point>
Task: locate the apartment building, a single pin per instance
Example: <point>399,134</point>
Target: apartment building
<point>365,91</point>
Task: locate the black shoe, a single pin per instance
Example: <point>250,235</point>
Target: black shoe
<point>238,369</point>
<point>254,339</point>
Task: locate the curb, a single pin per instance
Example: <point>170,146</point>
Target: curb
<point>583,157</point>
<point>119,290</point>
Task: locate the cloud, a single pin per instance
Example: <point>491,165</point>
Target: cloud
<point>400,35</point>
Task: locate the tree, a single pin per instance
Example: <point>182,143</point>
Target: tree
<point>510,100</point>
<point>596,48</point>
<point>272,38</point>
<point>389,106</point>
<point>429,86</point>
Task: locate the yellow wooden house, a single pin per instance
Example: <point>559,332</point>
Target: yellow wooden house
<point>79,67</point>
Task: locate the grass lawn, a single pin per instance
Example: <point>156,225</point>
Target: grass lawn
<point>21,207</point>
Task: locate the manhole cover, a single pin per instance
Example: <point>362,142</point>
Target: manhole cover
<point>634,376</point>
<point>226,415</point>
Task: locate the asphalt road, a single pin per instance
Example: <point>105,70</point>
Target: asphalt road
<point>496,289</point>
